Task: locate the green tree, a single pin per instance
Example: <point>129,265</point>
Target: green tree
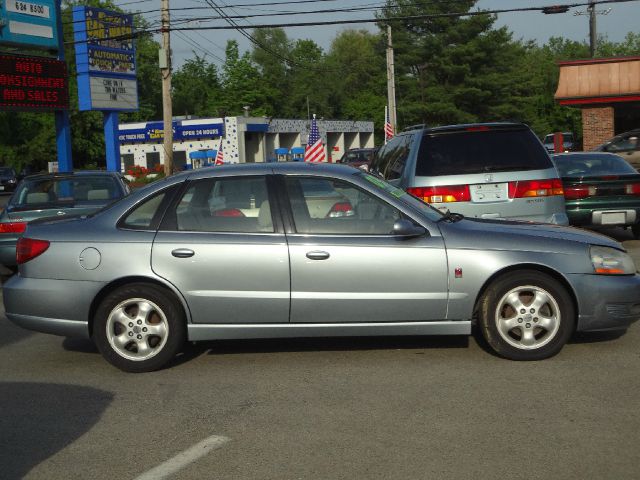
<point>196,75</point>
<point>271,55</point>
<point>241,84</point>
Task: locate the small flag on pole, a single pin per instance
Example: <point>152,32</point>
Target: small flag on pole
<point>315,150</point>
<point>219,155</point>
<point>388,128</point>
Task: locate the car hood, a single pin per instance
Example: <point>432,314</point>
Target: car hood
<point>517,235</point>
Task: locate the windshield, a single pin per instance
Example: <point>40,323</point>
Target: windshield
<point>410,200</point>
<point>54,192</point>
<point>6,171</point>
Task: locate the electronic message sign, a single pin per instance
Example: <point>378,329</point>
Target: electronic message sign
<point>33,83</point>
<point>29,24</point>
<point>105,60</point>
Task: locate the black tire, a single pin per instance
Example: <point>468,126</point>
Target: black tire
<point>136,341</point>
<point>540,325</point>
<point>635,229</point>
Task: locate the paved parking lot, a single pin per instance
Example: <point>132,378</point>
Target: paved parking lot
<point>362,408</point>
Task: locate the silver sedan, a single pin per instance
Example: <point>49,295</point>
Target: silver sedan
<point>302,250</point>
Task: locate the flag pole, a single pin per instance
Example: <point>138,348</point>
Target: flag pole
<point>384,126</point>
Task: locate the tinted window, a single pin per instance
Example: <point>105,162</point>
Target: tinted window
<point>225,205</point>
<point>85,189</point>
<point>391,158</point>
<point>479,152</point>
<point>342,209</point>
<point>592,165</point>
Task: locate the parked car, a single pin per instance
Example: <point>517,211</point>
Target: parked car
<point>601,190</point>
<point>627,145</point>
<point>358,157</point>
<point>491,170</point>
<point>568,142</point>
<point>8,179</point>
<point>163,265</point>
<point>55,194</point>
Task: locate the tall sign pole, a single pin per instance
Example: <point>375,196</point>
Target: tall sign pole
<point>391,84</point>
<point>165,71</point>
<point>62,119</point>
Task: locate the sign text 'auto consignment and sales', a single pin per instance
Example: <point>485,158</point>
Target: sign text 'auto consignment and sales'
<point>33,83</point>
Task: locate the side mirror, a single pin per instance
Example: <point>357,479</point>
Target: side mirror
<point>405,228</point>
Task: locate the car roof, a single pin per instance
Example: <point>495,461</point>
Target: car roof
<point>465,126</point>
<point>285,168</point>
<point>79,173</point>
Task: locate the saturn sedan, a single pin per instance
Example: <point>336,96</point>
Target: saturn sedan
<point>304,250</point>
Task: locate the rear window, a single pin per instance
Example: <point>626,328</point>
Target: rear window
<point>65,191</point>
<point>577,165</point>
<point>468,152</point>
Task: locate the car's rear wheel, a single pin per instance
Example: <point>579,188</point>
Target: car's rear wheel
<point>139,327</point>
<point>526,315</point>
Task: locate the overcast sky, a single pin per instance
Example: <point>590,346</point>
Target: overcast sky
<point>622,18</point>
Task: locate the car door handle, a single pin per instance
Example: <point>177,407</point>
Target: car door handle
<point>182,253</point>
<point>317,255</point>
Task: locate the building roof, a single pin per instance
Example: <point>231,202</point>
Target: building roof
<point>599,81</point>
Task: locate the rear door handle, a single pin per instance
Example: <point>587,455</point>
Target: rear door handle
<point>317,255</point>
<point>182,253</point>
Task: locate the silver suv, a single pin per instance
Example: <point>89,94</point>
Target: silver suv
<point>488,170</point>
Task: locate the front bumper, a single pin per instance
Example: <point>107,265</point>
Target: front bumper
<point>606,302</point>
<point>59,307</point>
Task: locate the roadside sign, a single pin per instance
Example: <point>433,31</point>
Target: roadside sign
<point>30,24</point>
<point>33,83</point>
<point>105,60</point>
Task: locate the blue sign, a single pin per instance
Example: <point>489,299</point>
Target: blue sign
<point>105,59</point>
<point>154,132</point>
<point>29,24</point>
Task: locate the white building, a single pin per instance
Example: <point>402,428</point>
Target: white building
<point>242,139</point>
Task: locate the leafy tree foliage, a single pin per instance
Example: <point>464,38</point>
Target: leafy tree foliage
<point>196,89</point>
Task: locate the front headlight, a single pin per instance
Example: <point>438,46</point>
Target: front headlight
<point>609,261</point>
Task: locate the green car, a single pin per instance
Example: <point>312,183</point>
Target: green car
<point>600,190</point>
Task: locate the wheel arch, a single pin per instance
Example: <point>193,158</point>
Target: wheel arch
<point>115,284</point>
<point>528,266</point>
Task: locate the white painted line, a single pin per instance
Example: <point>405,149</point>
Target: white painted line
<point>184,458</point>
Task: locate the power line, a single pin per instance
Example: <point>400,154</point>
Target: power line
<point>231,26</point>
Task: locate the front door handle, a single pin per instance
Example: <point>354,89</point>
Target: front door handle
<point>317,255</point>
<point>182,253</point>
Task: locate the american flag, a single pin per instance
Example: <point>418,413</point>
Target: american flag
<point>219,155</point>
<point>388,128</point>
<point>315,150</point>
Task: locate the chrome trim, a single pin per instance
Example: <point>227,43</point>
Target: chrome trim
<point>297,330</point>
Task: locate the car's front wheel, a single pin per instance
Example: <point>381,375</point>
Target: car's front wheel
<point>526,315</point>
<point>139,327</point>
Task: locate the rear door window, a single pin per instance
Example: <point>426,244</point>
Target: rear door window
<point>469,152</point>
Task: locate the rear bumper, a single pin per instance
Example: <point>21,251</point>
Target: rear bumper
<point>59,307</point>
<point>606,302</point>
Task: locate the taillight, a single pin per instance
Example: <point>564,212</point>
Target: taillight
<point>535,188</point>
<point>341,209</point>
<point>228,212</point>
<point>579,191</point>
<point>633,189</point>
<point>13,227</point>
<point>29,248</point>
<point>442,194</point>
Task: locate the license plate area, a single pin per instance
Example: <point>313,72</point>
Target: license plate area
<point>489,192</point>
<point>610,218</point>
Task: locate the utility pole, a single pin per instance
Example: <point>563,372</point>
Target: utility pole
<point>592,28</point>
<point>593,35</point>
<point>164,58</point>
<point>391,84</point>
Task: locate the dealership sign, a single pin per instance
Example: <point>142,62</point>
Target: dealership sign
<point>154,132</point>
<point>29,24</point>
<point>105,60</point>
<point>33,83</point>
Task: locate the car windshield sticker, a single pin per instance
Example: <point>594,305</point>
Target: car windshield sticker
<point>387,187</point>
